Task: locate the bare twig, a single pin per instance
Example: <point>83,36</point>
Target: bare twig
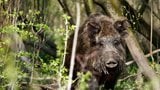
<point>151,35</point>
<point>74,47</point>
<point>158,54</point>
<point>103,5</point>
<point>66,10</point>
<point>129,62</point>
<point>147,55</point>
<point>87,9</point>
<point>90,3</point>
<point>129,76</point>
<point>153,52</point>
<point>143,6</point>
<point>32,68</point>
<point>154,13</point>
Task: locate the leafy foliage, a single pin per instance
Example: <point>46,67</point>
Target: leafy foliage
<point>33,38</point>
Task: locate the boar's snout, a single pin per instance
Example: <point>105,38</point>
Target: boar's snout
<point>111,59</point>
<point>111,63</point>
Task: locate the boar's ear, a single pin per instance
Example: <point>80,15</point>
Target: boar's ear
<point>121,26</point>
<point>93,29</point>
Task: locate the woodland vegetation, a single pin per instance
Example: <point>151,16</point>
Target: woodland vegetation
<point>34,33</point>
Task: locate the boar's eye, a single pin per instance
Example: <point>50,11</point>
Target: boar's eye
<point>94,27</point>
<point>116,42</point>
<point>119,26</point>
<point>94,30</point>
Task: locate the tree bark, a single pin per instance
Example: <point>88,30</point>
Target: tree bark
<point>136,51</point>
<point>141,60</point>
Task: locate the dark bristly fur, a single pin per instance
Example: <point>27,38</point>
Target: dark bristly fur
<point>100,50</point>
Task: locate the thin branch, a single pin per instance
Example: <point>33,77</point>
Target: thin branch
<point>87,9</point>
<point>66,42</point>
<point>44,48</point>
<point>32,69</point>
<point>143,7</point>
<point>40,86</point>
<point>151,30</point>
<point>158,54</point>
<point>147,55</point>
<point>132,75</point>
<point>103,6</point>
<point>129,62</point>
<point>66,10</point>
<point>154,13</point>
<point>65,52</point>
<point>74,47</point>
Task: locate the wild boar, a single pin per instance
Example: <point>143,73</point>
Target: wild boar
<point>100,50</point>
